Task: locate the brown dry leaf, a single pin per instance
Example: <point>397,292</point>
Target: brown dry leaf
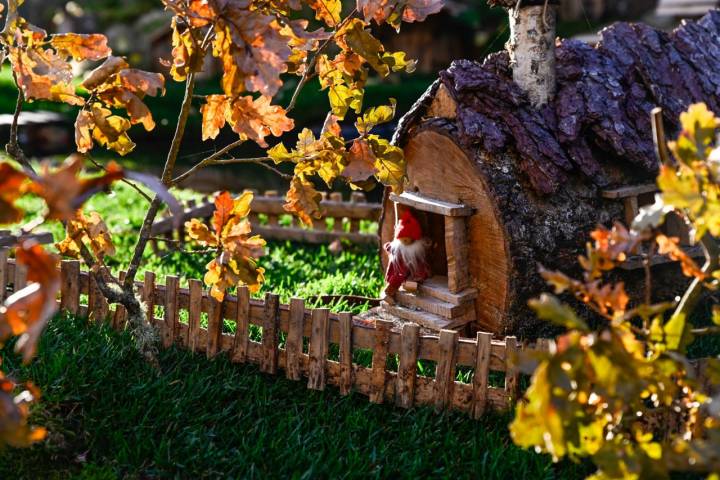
<point>214,113</point>
<point>361,162</point>
<point>235,263</point>
<point>256,119</point>
<point>55,82</point>
<point>394,11</point>
<point>89,230</point>
<point>11,185</point>
<point>331,125</point>
<point>303,200</point>
<point>62,189</point>
<point>81,46</point>
<point>102,73</point>
<point>252,49</point>
<point>200,232</point>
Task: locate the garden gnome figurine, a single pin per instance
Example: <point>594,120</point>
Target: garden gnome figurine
<point>407,256</point>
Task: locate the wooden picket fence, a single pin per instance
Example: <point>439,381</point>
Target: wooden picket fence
<point>346,217</point>
<point>404,387</point>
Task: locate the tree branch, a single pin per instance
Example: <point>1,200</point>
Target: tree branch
<point>166,180</point>
<point>206,161</point>
<point>693,294</point>
<point>13,148</point>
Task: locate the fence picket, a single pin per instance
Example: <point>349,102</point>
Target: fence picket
<point>214,328</point>
<point>3,272</point>
<point>318,348</point>
<point>70,285</point>
<point>482,370</point>
<point>445,372</point>
<point>271,317</point>
<point>407,369</point>
<point>20,280</point>
<point>120,315</point>
<point>169,333</point>
<point>97,305</point>
<point>148,295</point>
<point>294,341</point>
<point>512,372</point>
<point>346,366</point>
<point>242,325</point>
<point>379,360</point>
<point>195,293</point>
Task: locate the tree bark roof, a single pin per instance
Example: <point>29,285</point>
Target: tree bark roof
<point>601,113</point>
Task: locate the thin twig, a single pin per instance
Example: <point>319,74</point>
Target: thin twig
<point>124,180</point>
<point>13,148</point>
<point>206,161</point>
<point>311,64</point>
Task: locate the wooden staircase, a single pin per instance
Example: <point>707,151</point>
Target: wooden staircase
<point>433,305</point>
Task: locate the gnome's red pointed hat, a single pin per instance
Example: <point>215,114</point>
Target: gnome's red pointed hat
<point>408,227</point>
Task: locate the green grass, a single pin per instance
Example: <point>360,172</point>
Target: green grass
<point>111,416</point>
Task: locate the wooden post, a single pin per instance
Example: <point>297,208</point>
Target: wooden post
<point>456,248</point>
<point>214,328</point>
<point>356,197</point>
<point>148,296</point>
<point>346,365</point>
<point>70,286</point>
<point>97,304</point>
<point>337,222</point>
<point>294,342</point>
<point>20,280</point>
<point>408,365</point>
<point>119,318</point>
<point>512,372</point>
<point>273,220</point>
<point>318,349</point>
<point>242,325</point>
<point>379,360</point>
<point>171,310</point>
<point>3,272</point>
<point>445,372</point>
<point>271,319</point>
<point>482,370</point>
<point>195,297</point>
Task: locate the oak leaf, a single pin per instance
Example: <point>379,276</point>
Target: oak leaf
<point>361,162</point>
<point>81,46</point>
<point>303,200</point>
<point>235,263</point>
<point>11,188</point>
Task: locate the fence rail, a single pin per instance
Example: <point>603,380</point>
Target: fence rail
<point>316,328</point>
<point>346,216</point>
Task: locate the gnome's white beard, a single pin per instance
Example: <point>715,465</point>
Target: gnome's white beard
<point>412,256</point>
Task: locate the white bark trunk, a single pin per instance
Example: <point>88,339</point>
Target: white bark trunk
<point>532,51</point>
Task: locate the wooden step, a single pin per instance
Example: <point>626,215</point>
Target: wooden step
<point>427,320</point>
<point>437,287</point>
<point>430,304</point>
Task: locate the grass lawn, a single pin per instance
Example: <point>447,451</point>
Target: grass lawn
<point>110,415</point>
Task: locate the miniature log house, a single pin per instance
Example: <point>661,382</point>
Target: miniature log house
<point>510,173</point>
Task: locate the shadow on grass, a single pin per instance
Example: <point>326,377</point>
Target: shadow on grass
<point>110,415</point>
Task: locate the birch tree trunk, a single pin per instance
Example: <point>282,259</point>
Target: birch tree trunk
<point>532,50</point>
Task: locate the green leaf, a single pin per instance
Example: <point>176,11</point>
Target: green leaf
<point>549,308</point>
<point>677,332</point>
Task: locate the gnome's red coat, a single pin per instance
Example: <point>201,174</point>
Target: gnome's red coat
<point>397,273</point>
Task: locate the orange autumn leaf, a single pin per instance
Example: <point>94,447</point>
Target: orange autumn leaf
<point>670,246</point>
<point>101,74</point>
<point>90,231</point>
<point>235,263</point>
<point>251,119</point>
<point>26,312</point>
<point>62,189</point>
<point>11,183</point>
<point>214,113</point>
<point>81,46</point>
<point>328,11</point>
<point>303,200</point>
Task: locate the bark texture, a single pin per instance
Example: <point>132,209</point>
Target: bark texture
<point>544,168</point>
